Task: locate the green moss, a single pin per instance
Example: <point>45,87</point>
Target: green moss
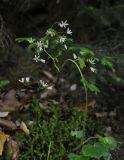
<point>50,137</point>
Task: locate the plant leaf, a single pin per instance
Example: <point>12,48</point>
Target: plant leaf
<point>92,87</point>
<point>3,83</point>
<point>77,134</point>
<point>81,62</point>
<point>94,151</point>
<point>86,52</point>
<point>109,142</point>
<point>73,156</point>
<point>106,62</point>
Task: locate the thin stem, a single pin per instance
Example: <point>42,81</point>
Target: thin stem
<point>81,144</point>
<point>82,77</point>
<point>53,59</point>
<point>48,156</point>
<point>86,93</point>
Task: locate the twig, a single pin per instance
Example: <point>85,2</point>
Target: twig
<point>81,144</point>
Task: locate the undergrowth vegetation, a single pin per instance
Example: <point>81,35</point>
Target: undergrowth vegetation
<point>64,87</point>
<point>55,136</point>
<point>52,133</point>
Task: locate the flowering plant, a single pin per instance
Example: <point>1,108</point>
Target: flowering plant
<point>58,46</point>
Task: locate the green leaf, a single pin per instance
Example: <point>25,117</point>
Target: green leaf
<point>94,151</point>
<point>116,78</point>
<point>3,83</point>
<point>28,39</point>
<point>85,158</point>
<point>33,45</point>
<point>77,134</point>
<point>81,62</point>
<point>73,156</point>
<point>106,62</point>
<point>109,142</point>
<point>86,52</point>
<point>91,86</point>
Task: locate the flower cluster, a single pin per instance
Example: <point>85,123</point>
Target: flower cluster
<point>92,62</point>
<point>51,32</point>
<point>53,37</point>
<point>38,59</point>
<point>41,82</point>
<point>24,80</point>
<point>64,25</point>
<point>42,45</point>
<point>45,85</point>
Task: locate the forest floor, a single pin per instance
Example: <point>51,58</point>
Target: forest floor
<point>16,101</point>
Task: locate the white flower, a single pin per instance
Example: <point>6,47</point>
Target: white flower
<point>92,61</point>
<point>22,80</point>
<point>51,33</point>
<point>46,44</point>
<point>31,40</point>
<point>27,79</point>
<point>65,46</point>
<point>42,60</point>
<point>38,59</point>
<point>40,49</point>
<point>43,83</point>
<point>63,24</point>
<point>62,39</point>
<point>40,46</point>
<point>92,69</point>
<point>69,31</point>
<point>50,87</point>
<point>75,56</point>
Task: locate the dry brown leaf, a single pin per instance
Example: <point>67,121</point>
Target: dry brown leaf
<point>9,102</point>
<point>10,95</point>
<point>113,114</point>
<point>3,138</point>
<point>48,75</point>
<point>101,114</point>
<point>47,93</point>
<point>82,107</point>
<point>24,128</point>
<point>13,148</point>
<point>8,124</point>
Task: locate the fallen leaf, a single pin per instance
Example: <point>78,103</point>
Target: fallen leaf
<point>47,93</point>
<point>113,114</point>
<point>8,124</point>
<point>13,148</point>
<point>82,107</point>
<point>48,75</point>
<point>24,128</point>
<point>4,114</point>
<point>73,87</point>
<point>101,114</point>
<point>3,138</point>
<point>9,102</point>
